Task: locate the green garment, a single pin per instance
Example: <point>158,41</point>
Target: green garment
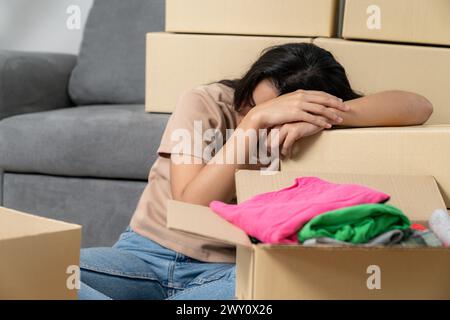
<point>355,224</point>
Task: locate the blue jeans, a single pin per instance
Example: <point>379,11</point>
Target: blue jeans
<point>139,268</point>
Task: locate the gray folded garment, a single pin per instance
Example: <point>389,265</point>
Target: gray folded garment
<point>385,239</point>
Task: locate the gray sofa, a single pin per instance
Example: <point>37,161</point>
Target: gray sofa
<point>75,142</point>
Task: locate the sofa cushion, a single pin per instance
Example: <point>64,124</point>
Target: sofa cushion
<point>105,141</point>
<point>33,81</point>
<point>111,62</point>
<point>102,206</point>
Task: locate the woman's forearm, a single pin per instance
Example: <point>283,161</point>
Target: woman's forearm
<point>215,180</point>
<point>388,108</point>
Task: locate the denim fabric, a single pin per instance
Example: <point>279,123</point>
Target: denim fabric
<point>139,268</point>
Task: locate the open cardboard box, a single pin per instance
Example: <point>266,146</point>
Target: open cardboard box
<point>265,271</point>
<point>39,257</point>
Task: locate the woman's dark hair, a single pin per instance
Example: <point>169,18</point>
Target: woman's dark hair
<point>291,67</point>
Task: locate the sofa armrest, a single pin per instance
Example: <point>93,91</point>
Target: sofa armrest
<point>32,82</point>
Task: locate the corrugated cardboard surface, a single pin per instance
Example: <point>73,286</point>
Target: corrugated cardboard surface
<point>254,17</point>
<point>179,62</point>
<point>401,20</point>
<point>374,67</point>
<point>35,253</point>
<point>245,266</point>
<point>296,272</point>
<point>421,150</point>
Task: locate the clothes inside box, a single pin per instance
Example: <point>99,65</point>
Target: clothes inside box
<point>315,212</point>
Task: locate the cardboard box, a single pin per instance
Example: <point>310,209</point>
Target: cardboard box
<point>178,62</point>
<point>35,254</point>
<point>417,150</point>
<point>253,17</point>
<point>374,67</point>
<point>266,271</point>
<point>415,21</point>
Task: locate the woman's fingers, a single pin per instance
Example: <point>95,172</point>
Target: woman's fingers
<point>323,118</point>
<point>286,139</point>
<point>290,133</point>
<point>282,132</point>
<point>288,143</point>
<point>318,109</point>
<point>313,119</point>
<point>325,99</point>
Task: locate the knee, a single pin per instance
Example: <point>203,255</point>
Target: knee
<point>87,257</point>
<point>92,257</point>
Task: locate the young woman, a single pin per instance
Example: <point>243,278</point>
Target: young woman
<point>299,89</point>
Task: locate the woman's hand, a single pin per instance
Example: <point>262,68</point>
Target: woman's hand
<point>314,107</point>
<point>290,133</point>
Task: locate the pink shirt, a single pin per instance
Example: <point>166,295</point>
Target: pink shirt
<point>276,217</point>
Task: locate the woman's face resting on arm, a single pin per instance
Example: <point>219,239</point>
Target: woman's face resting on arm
<point>301,89</point>
<point>313,112</point>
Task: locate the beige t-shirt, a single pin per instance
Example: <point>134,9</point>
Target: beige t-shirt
<point>213,105</point>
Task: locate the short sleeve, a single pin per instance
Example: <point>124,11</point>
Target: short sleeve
<point>190,125</point>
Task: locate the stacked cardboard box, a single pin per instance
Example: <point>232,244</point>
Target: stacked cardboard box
<point>374,67</point>
<point>415,21</point>
<point>209,40</point>
<point>253,17</point>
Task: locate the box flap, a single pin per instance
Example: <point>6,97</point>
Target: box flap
<point>416,196</point>
<point>200,220</point>
<point>15,224</point>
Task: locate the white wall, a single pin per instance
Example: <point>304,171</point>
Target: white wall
<point>41,25</point>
